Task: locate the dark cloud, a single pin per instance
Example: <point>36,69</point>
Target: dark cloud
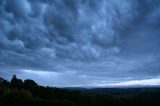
<point>94,41</point>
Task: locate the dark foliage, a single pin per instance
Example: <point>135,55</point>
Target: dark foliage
<point>28,92</point>
<point>15,82</point>
<point>30,84</point>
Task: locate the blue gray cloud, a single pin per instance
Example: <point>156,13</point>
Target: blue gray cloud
<point>65,42</point>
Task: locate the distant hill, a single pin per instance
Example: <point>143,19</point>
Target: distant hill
<point>120,91</point>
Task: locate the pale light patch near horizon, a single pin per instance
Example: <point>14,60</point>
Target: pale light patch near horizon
<point>130,83</point>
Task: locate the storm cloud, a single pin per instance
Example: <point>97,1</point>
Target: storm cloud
<point>80,43</point>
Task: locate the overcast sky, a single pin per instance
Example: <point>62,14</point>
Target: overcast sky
<point>83,43</point>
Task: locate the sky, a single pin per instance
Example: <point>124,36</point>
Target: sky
<point>81,43</point>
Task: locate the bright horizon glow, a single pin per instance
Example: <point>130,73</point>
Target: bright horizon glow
<point>130,83</point>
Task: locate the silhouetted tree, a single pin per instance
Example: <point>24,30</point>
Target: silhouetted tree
<point>3,82</point>
<point>15,82</point>
<point>30,83</point>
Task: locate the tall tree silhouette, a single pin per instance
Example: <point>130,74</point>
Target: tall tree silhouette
<point>15,82</point>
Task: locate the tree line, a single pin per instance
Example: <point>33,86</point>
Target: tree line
<point>23,93</point>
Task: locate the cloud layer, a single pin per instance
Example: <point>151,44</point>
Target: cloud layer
<point>91,41</point>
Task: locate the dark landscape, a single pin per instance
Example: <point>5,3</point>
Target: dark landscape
<point>28,92</point>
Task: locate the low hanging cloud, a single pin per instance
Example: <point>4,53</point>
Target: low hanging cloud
<point>95,40</point>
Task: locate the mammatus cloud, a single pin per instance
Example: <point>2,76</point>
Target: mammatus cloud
<point>89,41</point>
